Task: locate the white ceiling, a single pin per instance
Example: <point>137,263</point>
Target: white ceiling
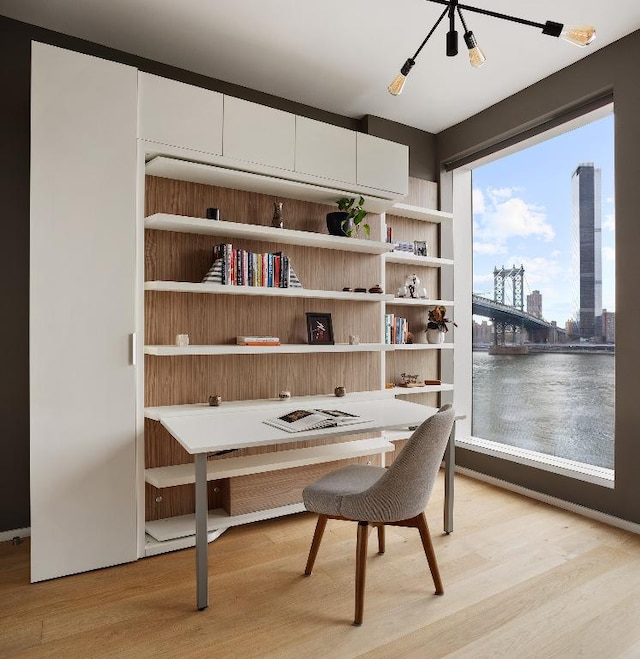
<point>340,55</point>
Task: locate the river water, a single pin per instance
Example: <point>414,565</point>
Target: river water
<point>561,405</point>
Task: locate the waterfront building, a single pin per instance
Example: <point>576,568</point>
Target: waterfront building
<point>534,304</point>
<point>587,251</point>
<point>608,326</point>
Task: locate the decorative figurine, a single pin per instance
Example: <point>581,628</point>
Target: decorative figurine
<point>411,283</point>
<point>215,400</point>
<point>182,340</point>
<point>376,289</point>
<point>277,220</point>
<point>340,391</point>
<point>284,395</point>
<point>354,340</point>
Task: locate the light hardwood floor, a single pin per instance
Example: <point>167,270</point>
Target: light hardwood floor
<point>522,579</point>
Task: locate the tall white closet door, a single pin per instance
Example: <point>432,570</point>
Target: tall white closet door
<point>82,310</point>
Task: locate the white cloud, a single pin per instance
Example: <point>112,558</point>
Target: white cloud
<point>609,254</point>
<point>488,248</point>
<point>477,198</point>
<point>609,222</point>
<point>504,217</point>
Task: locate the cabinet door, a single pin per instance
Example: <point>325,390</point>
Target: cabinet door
<point>258,134</point>
<point>383,164</point>
<point>82,285</point>
<point>325,150</point>
<point>180,115</point>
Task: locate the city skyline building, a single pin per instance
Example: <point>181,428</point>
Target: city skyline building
<point>534,303</point>
<point>587,250</point>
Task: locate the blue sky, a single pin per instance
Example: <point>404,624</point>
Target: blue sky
<point>522,215</point>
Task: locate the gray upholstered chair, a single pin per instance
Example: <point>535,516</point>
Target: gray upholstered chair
<point>375,496</point>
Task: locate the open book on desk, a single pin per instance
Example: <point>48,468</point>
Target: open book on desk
<point>302,420</point>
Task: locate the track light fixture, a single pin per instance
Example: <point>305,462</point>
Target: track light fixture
<point>581,35</point>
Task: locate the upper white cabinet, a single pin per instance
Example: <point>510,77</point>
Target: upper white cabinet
<point>258,134</point>
<point>383,164</point>
<point>180,115</point>
<point>325,150</point>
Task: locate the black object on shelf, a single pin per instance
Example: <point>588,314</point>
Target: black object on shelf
<point>213,213</point>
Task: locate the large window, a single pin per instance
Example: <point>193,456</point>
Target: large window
<point>544,298</point>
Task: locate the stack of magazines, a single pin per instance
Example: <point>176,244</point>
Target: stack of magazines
<point>301,420</point>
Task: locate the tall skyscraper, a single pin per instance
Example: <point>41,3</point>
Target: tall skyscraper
<point>587,251</point>
<point>534,303</point>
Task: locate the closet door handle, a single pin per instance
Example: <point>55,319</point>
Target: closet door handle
<point>133,347</point>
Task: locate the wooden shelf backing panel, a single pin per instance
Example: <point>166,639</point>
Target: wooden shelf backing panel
<point>397,273</point>
<point>187,257</point>
<point>261,291</point>
<point>184,526</point>
<point>212,320</point>
<point>278,488</point>
<point>178,475</point>
<point>407,230</point>
<point>425,364</point>
<point>180,500</point>
<point>179,206</point>
<point>422,193</point>
<point>180,380</point>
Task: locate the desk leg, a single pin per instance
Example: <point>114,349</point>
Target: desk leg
<point>449,468</point>
<point>202,513</point>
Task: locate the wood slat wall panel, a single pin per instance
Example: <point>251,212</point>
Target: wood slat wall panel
<point>422,193</point>
<point>219,319</point>
<point>180,500</point>
<point>405,229</point>
<point>425,363</point>
<point>279,488</point>
<point>429,280</point>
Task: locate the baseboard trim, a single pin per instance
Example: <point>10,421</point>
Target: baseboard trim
<point>6,536</point>
<point>553,501</point>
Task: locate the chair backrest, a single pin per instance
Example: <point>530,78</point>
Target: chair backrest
<point>403,491</point>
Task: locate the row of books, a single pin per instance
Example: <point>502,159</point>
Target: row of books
<point>241,267</point>
<point>396,329</point>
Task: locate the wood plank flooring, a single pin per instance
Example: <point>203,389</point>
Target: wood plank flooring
<point>522,579</point>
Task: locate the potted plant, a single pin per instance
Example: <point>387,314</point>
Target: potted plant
<point>348,220</point>
<point>437,324</point>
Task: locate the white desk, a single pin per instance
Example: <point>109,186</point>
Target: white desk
<point>232,427</point>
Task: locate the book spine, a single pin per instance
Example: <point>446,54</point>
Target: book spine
<point>276,270</point>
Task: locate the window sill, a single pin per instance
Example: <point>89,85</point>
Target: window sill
<point>578,470</point>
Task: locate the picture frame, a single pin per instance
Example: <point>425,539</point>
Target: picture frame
<point>420,248</point>
<point>319,329</point>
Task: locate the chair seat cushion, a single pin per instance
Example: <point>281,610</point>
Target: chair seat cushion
<point>326,494</point>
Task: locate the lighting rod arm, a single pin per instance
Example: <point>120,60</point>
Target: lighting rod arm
<point>433,29</point>
<point>494,14</point>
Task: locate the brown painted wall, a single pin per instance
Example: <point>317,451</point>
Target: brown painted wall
<point>611,68</point>
<point>15,54</point>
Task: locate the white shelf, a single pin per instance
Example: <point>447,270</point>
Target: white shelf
<point>262,291</point>
<point>184,224</point>
<point>270,184</point>
<point>426,389</point>
<point>406,258</point>
<point>419,213</point>
<point>395,435</point>
<point>290,348</point>
<point>182,526</point>
<point>256,464</point>
<point>421,346</point>
<point>419,302</point>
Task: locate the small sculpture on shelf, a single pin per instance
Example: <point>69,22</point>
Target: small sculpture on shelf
<point>284,395</point>
<point>277,220</point>
<point>409,380</point>
<point>215,400</point>
<point>411,284</point>
<point>340,391</point>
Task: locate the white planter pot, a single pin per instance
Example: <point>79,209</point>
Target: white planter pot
<point>435,336</point>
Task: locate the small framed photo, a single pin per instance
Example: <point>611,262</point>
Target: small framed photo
<point>420,248</point>
<point>319,329</point>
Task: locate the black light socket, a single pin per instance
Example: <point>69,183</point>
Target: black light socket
<point>552,28</point>
<point>452,43</point>
<point>470,40</point>
<point>407,66</point>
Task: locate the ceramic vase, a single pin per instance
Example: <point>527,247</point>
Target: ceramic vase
<point>435,336</point>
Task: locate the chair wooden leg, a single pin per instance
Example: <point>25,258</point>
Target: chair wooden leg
<point>361,568</point>
<point>315,543</point>
<point>430,552</point>
<point>381,539</point>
